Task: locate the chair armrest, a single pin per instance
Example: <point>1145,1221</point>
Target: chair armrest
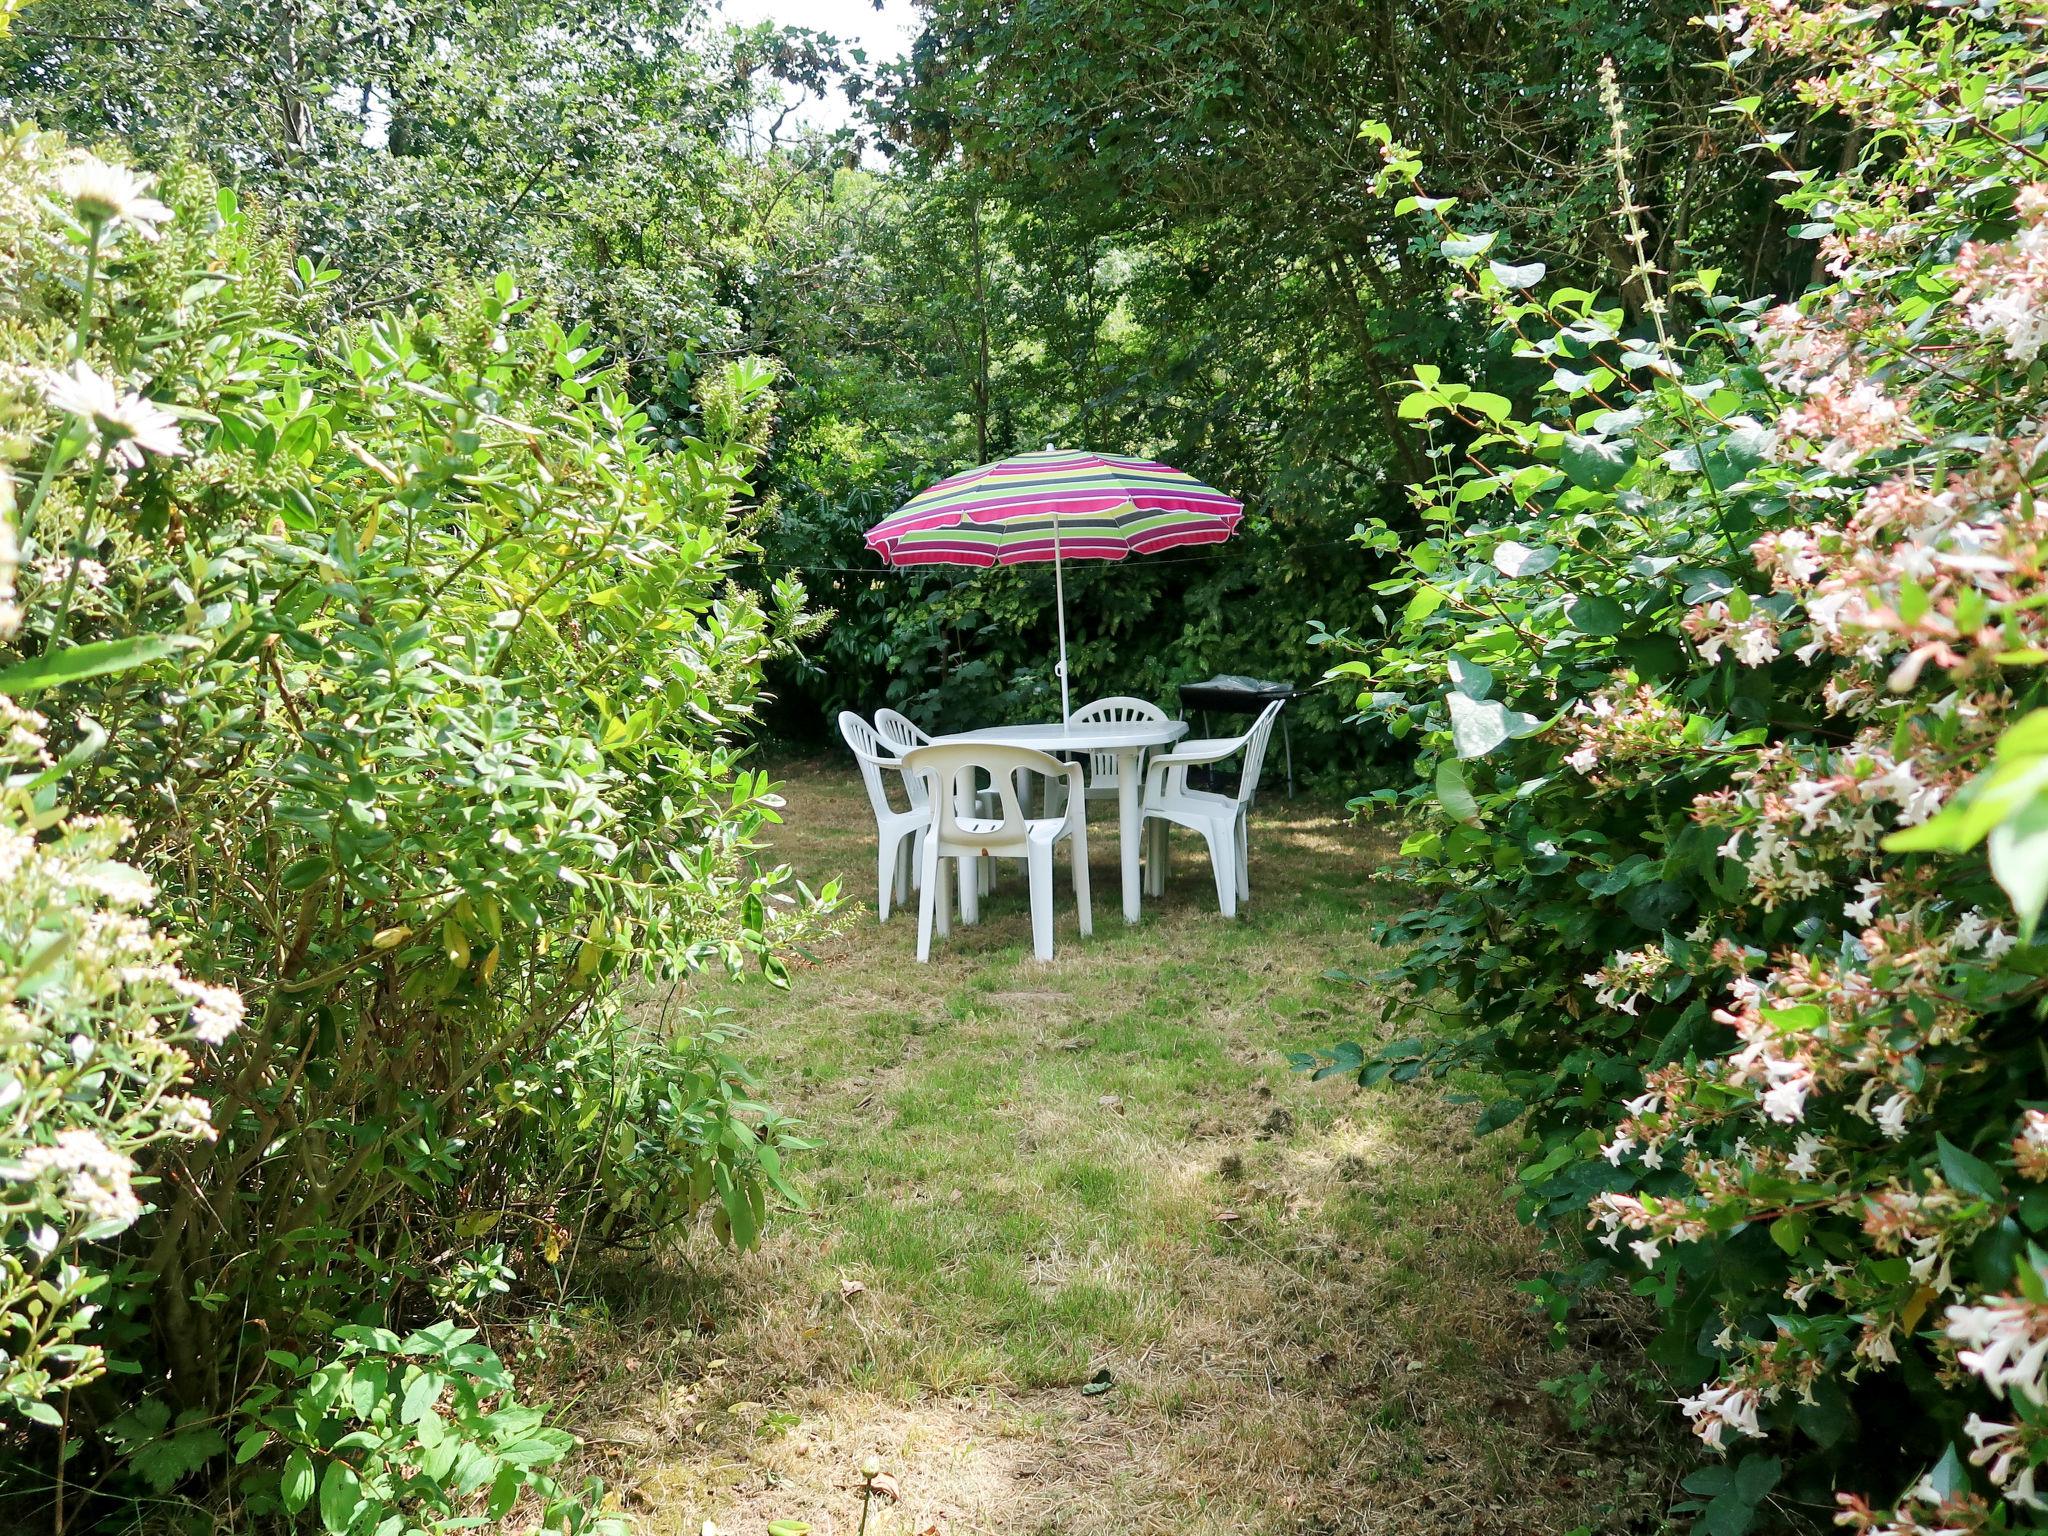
<point>1190,754</point>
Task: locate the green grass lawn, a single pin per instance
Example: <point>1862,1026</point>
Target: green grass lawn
<point>1028,1175</point>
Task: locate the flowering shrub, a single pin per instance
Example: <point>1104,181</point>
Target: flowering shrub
<point>415,664</point>
<point>97,1026</point>
<point>1724,665</point>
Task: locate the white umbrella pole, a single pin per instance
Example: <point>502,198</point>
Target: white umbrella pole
<point>1059,587</point>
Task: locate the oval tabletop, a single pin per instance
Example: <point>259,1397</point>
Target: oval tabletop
<point>1080,736</point>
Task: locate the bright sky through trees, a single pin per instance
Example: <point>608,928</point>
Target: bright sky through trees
<point>883,30</point>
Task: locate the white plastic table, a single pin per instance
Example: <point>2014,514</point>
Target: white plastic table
<point>1128,740</point>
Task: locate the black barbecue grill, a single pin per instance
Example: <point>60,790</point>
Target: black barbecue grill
<point>1229,694</point>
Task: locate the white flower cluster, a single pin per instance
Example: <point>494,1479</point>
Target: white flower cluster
<point>92,1177</point>
<point>2004,1341</point>
<point>1716,1410</point>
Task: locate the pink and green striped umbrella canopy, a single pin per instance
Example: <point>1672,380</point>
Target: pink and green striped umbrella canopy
<point>1004,513</point>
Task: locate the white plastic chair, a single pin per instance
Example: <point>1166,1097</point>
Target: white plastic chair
<point>950,771</point>
<point>1120,710</point>
<point>1221,819</point>
<point>898,834</point>
<point>902,733</point>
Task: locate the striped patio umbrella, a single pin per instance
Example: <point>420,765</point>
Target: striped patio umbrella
<point>1058,505</point>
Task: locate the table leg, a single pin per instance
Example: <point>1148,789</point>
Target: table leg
<point>1127,826</point>
<point>970,869</point>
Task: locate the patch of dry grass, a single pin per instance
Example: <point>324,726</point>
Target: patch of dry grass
<point>1304,1296</point>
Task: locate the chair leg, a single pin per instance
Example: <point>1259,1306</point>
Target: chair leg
<point>1155,857</point>
<point>905,847</point>
<point>885,880</point>
<point>1082,901</point>
<point>930,907</point>
<point>1244,857</point>
<point>1038,860</point>
<point>1223,863</point>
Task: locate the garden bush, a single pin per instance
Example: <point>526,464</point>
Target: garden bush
<point>415,666</point>
<point>1722,661</point>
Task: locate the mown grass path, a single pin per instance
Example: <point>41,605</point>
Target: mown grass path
<point>1030,1175</point>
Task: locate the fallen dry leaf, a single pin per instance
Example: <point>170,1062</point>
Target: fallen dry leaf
<point>848,1289</point>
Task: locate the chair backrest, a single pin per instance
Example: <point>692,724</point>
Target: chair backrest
<point>1255,750</point>
<point>874,756</point>
<point>902,733</point>
<point>951,771</point>
<point>1117,710</point>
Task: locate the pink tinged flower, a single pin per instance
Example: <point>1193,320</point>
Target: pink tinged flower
<point>1584,760</point>
<point>1803,1163</point>
<point>1786,1101</point>
<point>2004,1342</point>
<point>1646,1250</point>
<point>1875,1344</point>
<point>1891,1116</point>
<point>2000,1448</point>
<point>1809,800</point>
<point>1717,1410</point>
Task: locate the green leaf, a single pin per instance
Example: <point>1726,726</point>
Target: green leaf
<point>1518,277</point>
<point>1480,725</point>
<point>341,1495</point>
<point>1596,615</point>
<point>1513,559</point>
<point>1470,678</point>
<point>2019,860</point>
<point>1453,793</point>
<point>295,1487</point>
<point>1465,247</point>
<point>1493,407</point>
<point>1756,1477</point>
<point>77,662</point>
<point>300,873</point>
<point>1949,1476</point>
<point>1595,463</point>
<point>504,1491</point>
<point>421,1393</point>
<point>1971,1175</point>
<point>1425,602</point>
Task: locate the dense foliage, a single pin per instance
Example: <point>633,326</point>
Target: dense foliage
<point>1722,659</point>
<point>1156,232</point>
<point>384,620</point>
<point>412,660</point>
